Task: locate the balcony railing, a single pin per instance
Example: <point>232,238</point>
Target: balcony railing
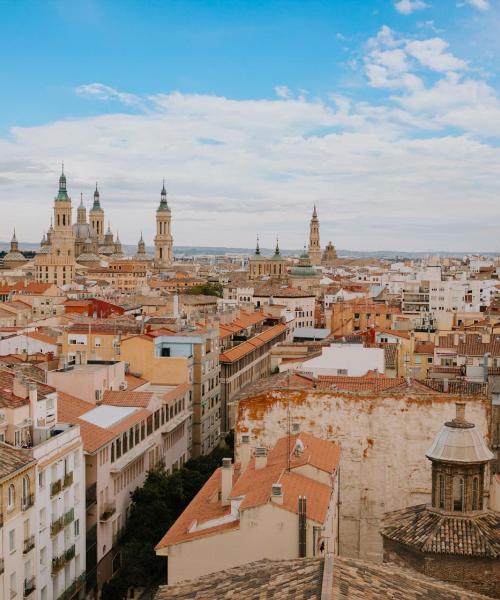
<point>57,526</point>
<point>29,586</point>
<point>29,544</point>
<point>68,479</point>
<point>75,586</point>
<point>69,553</point>
<point>91,495</point>
<point>69,516</point>
<point>59,562</point>
<point>27,501</point>
<point>108,511</point>
<point>55,488</point>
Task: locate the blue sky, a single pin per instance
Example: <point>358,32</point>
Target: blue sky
<point>384,112</point>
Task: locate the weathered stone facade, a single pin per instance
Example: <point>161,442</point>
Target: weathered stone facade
<point>383,438</point>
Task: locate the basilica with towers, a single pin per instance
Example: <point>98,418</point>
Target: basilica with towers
<point>68,246</point>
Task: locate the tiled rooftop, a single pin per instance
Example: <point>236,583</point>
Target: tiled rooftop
<point>430,531</point>
<point>301,579</point>
<point>12,459</point>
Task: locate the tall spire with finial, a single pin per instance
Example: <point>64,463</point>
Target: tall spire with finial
<point>62,194</point>
<point>163,198</point>
<point>257,247</point>
<point>277,250</point>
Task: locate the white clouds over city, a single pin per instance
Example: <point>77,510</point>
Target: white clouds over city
<point>408,170</point>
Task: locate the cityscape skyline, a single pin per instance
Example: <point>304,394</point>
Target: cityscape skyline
<point>390,127</point>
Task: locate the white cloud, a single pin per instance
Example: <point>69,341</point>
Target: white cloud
<point>481,5</point>
<point>406,7</point>
<point>376,169</point>
<point>282,91</point>
<point>105,92</point>
<point>431,53</point>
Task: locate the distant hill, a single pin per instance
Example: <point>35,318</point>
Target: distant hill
<point>221,250</point>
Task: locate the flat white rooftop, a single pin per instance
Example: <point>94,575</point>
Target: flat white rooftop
<point>107,416</point>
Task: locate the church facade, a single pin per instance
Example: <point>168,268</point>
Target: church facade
<point>69,245</point>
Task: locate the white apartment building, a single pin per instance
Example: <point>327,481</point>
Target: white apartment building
<point>53,538</point>
<point>60,514</point>
<point>129,433</point>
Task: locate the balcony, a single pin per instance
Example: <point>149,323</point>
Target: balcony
<point>91,495</point>
<point>27,502</point>
<point>55,488</point>
<point>1,519</point>
<point>108,511</point>
<point>69,516</point>
<point>75,587</point>
<point>68,479</point>
<point>2,567</point>
<point>29,586</point>
<point>59,562</point>
<point>29,544</point>
<point>57,526</point>
<point>69,553</point>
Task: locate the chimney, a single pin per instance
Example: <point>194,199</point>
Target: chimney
<point>260,458</point>
<point>460,412</point>
<point>277,493</point>
<point>226,481</point>
<point>245,451</point>
<point>20,386</point>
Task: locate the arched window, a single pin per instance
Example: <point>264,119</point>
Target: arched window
<point>475,494</point>
<point>26,490</point>
<point>11,496</point>
<point>458,494</point>
<point>441,491</point>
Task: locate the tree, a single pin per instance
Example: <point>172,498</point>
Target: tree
<point>154,509</point>
<point>206,289</point>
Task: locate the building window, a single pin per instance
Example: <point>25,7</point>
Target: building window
<point>77,527</point>
<point>11,497</point>
<point>12,540</point>
<point>475,494</point>
<point>26,490</point>
<point>441,491</point>
<point>458,494</point>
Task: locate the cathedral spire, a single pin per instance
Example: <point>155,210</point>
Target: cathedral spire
<point>257,248</point>
<point>277,250</point>
<point>163,198</point>
<point>62,194</point>
<point>97,199</point>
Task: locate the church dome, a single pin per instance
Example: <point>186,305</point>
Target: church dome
<point>304,268</point>
<point>458,441</point>
<point>14,257</point>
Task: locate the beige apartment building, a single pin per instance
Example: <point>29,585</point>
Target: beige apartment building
<point>94,340</point>
<point>191,356</point>
<point>277,505</point>
<point>17,523</point>
<point>244,363</point>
